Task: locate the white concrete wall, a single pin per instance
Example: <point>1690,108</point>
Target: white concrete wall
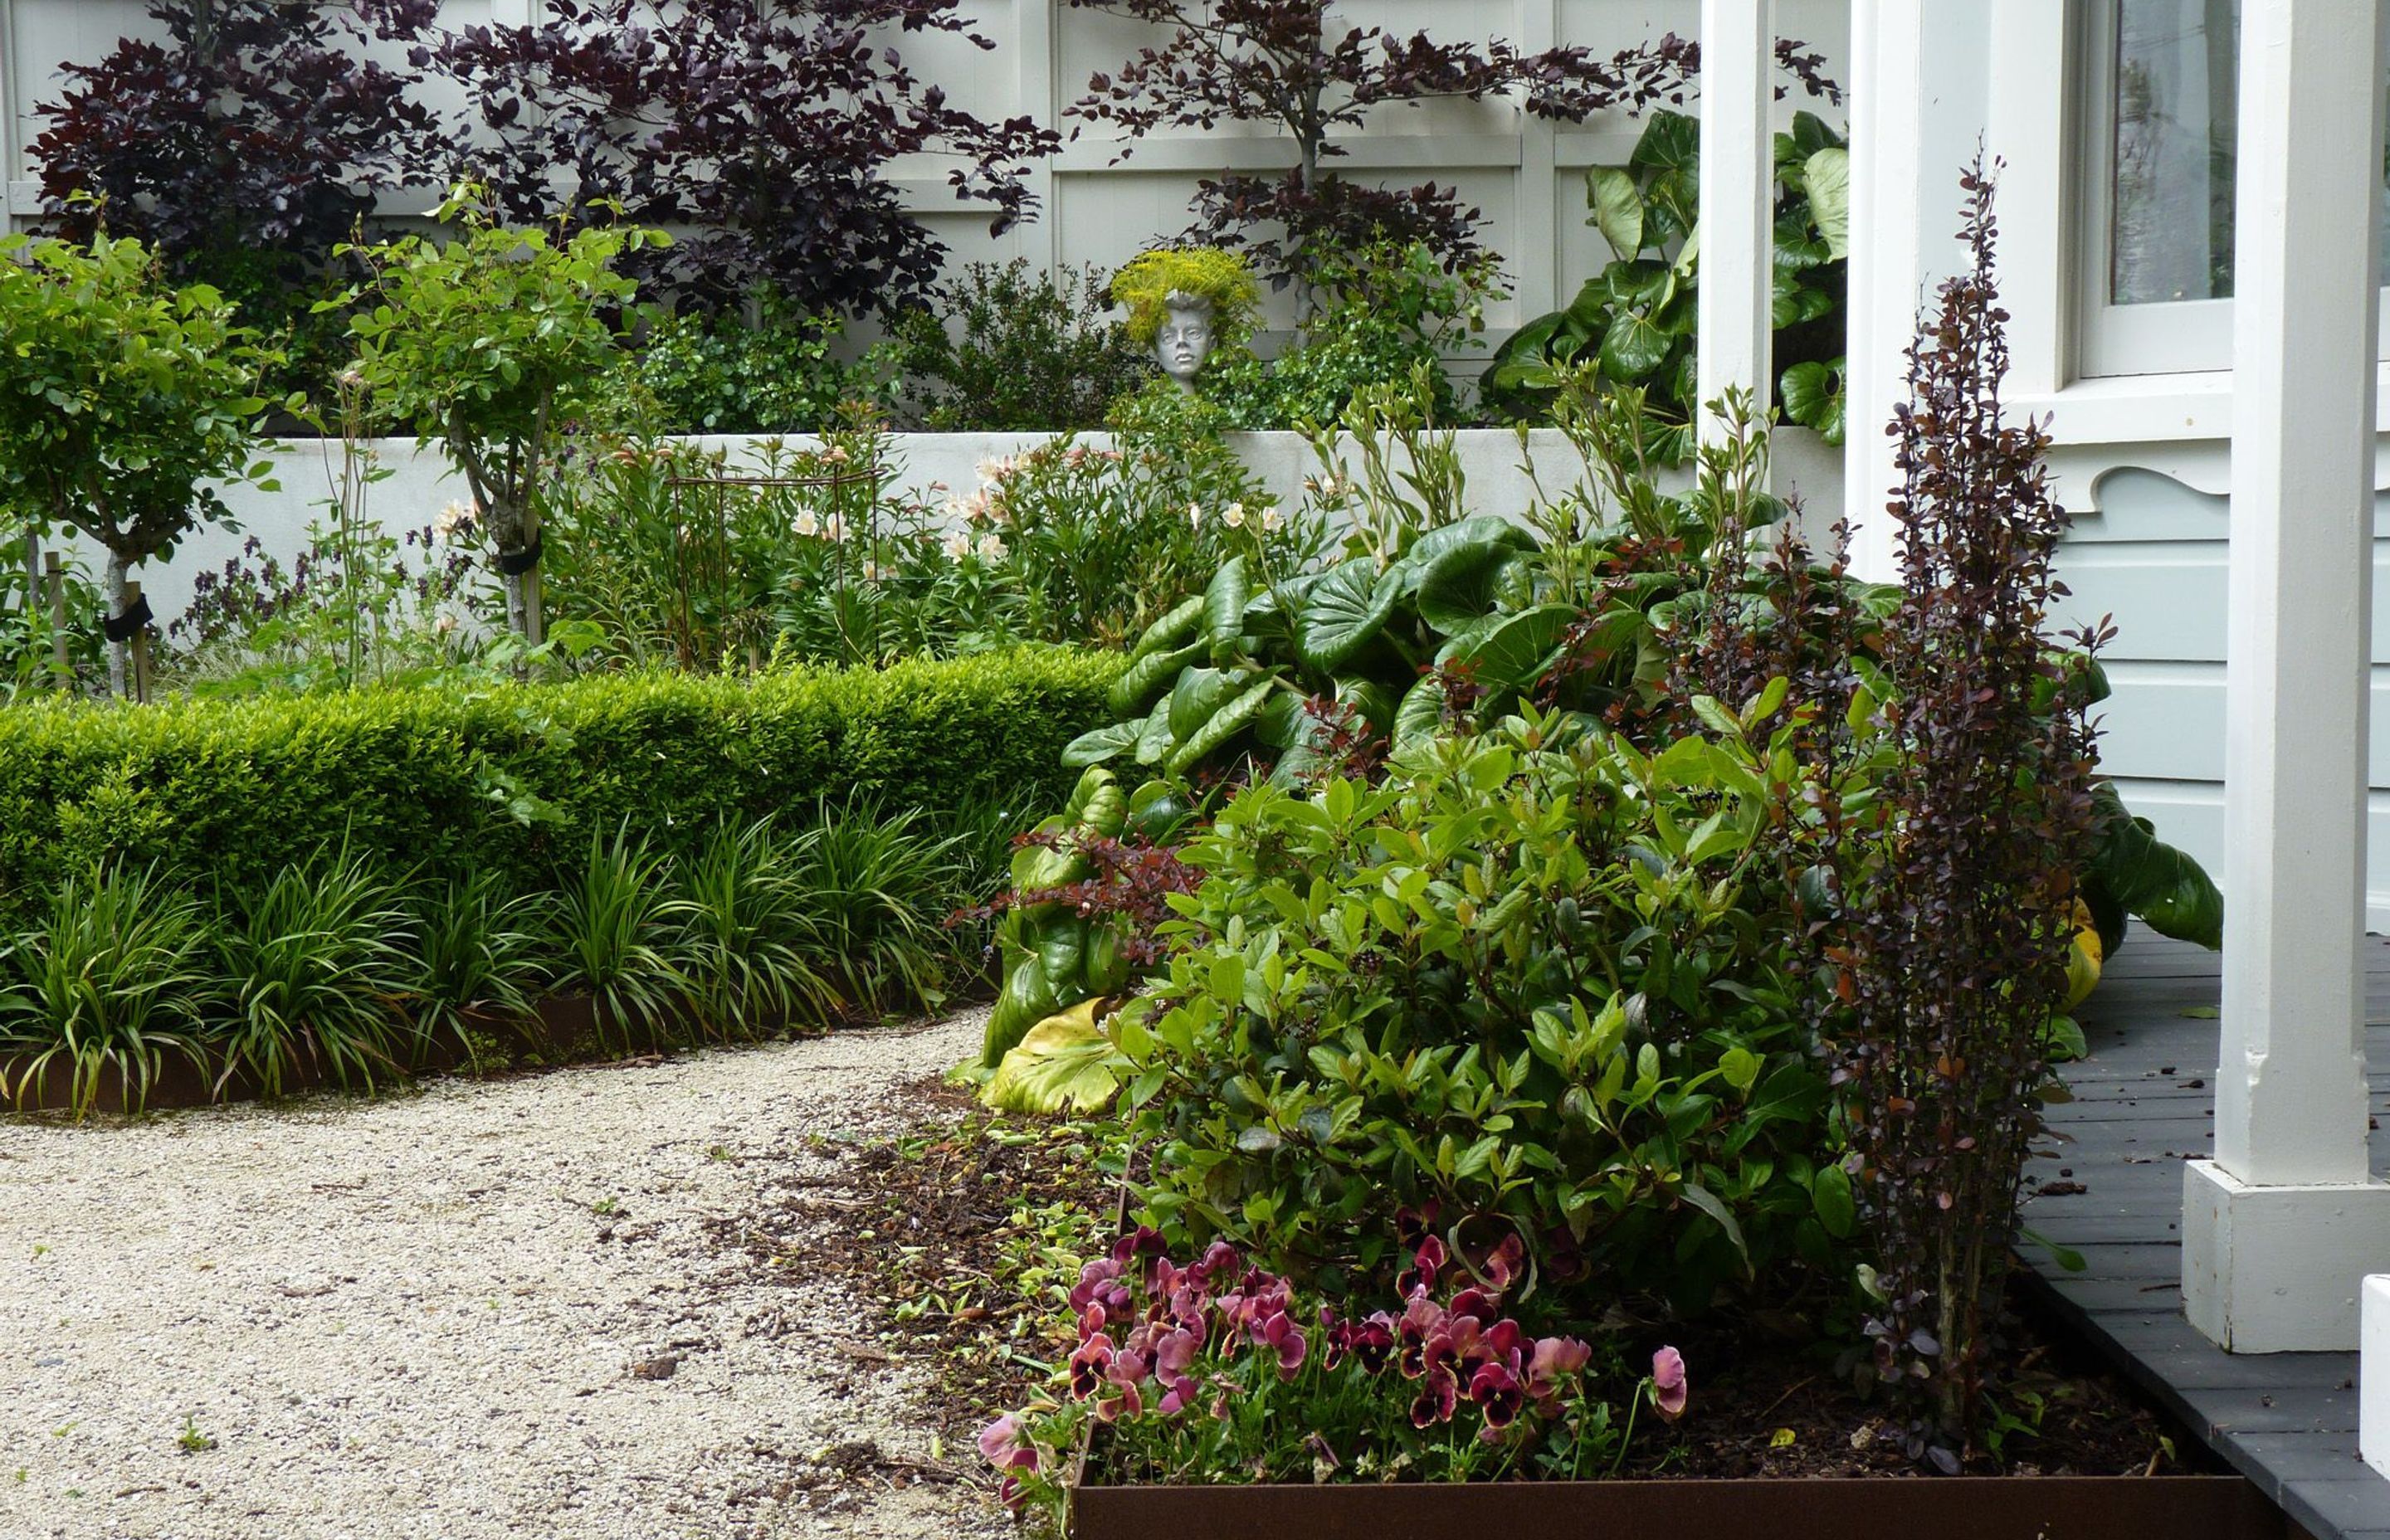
<point>1526,174</point>
<point>420,484</point>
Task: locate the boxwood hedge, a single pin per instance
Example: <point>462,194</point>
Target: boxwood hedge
<point>449,781</point>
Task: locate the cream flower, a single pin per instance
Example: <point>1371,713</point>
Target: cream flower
<point>1195,515</point>
<point>957,545</point>
<point>807,524</point>
<point>1233,516</point>
<point>455,516</point>
<point>1272,521</point>
<point>990,546</point>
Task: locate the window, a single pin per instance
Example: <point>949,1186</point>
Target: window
<point>2162,85</point>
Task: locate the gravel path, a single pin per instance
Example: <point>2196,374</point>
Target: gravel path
<point>487,1309</point>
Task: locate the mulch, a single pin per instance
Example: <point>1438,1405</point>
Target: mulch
<point>927,1233</point>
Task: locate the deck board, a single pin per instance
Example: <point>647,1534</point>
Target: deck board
<point>2143,1102</point>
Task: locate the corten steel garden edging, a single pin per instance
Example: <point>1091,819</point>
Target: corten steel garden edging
<point>1963,1508</point>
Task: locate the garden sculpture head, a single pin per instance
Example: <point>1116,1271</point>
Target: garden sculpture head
<point>1183,340</point>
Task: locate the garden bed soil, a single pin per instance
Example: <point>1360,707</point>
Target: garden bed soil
<point>934,1212</point>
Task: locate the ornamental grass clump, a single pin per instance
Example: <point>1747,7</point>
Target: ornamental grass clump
<point>1963,902</point>
<point>1219,1370</point>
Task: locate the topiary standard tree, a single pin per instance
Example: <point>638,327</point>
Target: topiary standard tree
<point>487,344</point>
<point>1283,62</point>
<point>1964,903</point>
<point>768,124</point>
<point>121,398</point>
<point>246,142</point>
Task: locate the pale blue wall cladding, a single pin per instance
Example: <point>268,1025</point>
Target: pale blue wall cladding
<point>2153,556</point>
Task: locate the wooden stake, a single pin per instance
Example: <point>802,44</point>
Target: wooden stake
<point>54,580</point>
<point>140,646</point>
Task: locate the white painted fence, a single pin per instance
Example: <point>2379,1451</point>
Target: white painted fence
<point>1525,174</point>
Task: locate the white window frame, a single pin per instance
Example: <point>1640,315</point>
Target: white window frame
<point>2159,337</point>
<point>2120,340</point>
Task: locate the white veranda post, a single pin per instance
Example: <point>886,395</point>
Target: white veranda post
<point>1737,225</point>
<point>2280,1228</point>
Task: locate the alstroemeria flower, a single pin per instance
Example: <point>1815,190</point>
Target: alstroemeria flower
<point>1668,1388</point>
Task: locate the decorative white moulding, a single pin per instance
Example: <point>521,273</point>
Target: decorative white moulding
<point>2373,1374</point>
<point>2277,1269</point>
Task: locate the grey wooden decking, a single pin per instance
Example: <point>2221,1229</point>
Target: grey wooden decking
<point>2144,1101</point>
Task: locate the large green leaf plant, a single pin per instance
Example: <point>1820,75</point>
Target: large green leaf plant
<point>1635,320</point>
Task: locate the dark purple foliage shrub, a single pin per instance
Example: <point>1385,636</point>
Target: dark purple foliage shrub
<point>768,124</point>
<point>1283,62</point>
<point>1963,904</point>
<point>256,131</point>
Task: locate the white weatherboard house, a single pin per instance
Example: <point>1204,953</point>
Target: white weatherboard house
<point>2191,210</point>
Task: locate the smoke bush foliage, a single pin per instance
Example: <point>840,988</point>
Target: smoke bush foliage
<point>1284,62</point>
<point>1964,900</point>
<point>769,126</point>
<point>253,130</point>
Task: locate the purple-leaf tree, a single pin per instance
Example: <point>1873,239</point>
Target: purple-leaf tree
<point>766,124</point>
<point>1285,62</point>
<point>245,144</point>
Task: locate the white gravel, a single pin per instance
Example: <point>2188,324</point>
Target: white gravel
<point>422,1317</point>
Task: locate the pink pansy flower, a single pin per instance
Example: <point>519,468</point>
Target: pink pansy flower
<point>1668,1388</point>
<point>1089,1365</point>
<point>1499,1395</point>
<point>1439,1394</point>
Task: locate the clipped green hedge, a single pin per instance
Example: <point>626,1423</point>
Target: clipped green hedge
<point>447,781</point>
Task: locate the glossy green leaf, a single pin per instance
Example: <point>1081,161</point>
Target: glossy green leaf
<point>1344,613</point>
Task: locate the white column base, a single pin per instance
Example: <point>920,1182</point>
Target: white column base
<point>2373,1374</point>
<point>2277,1269</point>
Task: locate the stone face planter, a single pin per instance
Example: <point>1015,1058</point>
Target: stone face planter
<point>1984,1508</point>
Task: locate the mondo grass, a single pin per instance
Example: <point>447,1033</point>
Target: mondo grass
<point>611,929</point>
<point>338,973</point>
<point>114,980</point>
<point>877,887</point>
<point>475,949</point>
<point>744,934</point>
<point>312,967</point>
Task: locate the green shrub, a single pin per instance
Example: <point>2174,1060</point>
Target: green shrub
<point>1538,982</point>
<point>777,375</point>
<point>1381,313</point>
<point>515,780</point>
<point>1011,350</point>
